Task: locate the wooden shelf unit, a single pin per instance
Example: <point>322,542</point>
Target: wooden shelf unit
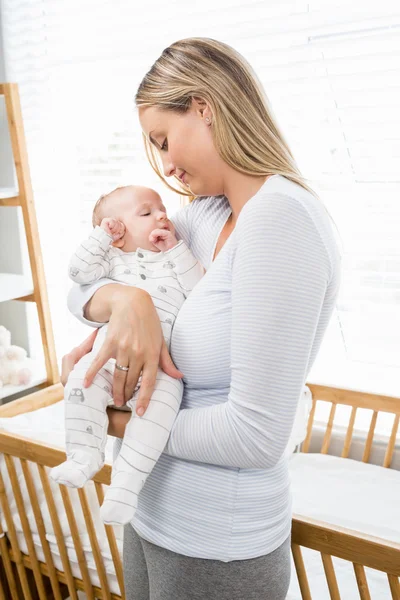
<point>21,287</point>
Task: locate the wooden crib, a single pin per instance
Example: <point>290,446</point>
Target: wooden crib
<point>360,549</point>
<point>24,576</point>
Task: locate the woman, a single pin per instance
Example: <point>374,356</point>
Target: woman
<point>214,516</point>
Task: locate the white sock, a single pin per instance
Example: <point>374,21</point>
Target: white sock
<point>76,470</point>
<point>121,499</point>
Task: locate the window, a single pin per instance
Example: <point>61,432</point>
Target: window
<point>332,76</point>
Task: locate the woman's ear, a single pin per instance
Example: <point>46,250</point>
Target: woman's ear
<point>202,109</point>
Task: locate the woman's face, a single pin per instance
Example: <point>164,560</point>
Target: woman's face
<point>185,144</point>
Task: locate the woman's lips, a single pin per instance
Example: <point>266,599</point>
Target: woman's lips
<point>182,177</point>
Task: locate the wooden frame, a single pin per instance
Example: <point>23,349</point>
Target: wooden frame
<point>24,199</point>
<point>26,577</point>
<point>358,548</point>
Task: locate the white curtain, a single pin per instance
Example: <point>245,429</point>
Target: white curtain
<point>332,73</point>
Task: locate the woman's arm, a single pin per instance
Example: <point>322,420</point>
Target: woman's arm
<point>134,335</point>
<point>100,305</point>
<point>134,338</point>
<point>280,275</point>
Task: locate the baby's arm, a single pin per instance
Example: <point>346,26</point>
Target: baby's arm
<point>188,269</point>
<point>186,266</point>
<point>91,262</point>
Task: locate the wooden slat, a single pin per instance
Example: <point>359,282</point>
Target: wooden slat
<point>328,432</point>
<point>112,543</point>
<point>12,201</point>
<point>349,433</point>
<point>370,437</point>
<point>330,576</point>
<point>46,397</point>
<point>37,452</point>
<point>88,588</point>
<point>306,444</point>
<point>361,582</point>
<point>57,531</point>
<point>394,587</point>
<point>353,398</point>
<point>353,546</point>
<point>2,593</point>
<point>21,162</point>
<point>12,536</point>
<point>61,577</point>
<point>392,441</point>
<point>301,572</point>
<point>55,586</point>
<point>30,298</point>
<point>4,552</point>
<point>98,559</point>
<point>25,526</point>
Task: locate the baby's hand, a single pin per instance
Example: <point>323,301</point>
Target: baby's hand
<point>113,227</point>
<point>163,239</point>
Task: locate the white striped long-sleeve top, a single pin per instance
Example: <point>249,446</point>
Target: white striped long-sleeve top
<point>245,339</point>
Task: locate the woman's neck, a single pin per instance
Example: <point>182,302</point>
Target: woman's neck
<point>240,188</point>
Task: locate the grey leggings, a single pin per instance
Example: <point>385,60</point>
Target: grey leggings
<point>154,573</point>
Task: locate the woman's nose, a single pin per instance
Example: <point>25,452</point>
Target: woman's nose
<point>168,167</point>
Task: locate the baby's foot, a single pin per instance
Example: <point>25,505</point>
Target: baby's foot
<point>76,471</point>
<point>121,498</point>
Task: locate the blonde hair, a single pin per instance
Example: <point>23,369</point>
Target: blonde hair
<point>244,130</point>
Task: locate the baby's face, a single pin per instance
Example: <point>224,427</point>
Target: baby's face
<point>141,210</point>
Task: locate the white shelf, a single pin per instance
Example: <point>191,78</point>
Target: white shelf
<point>39,376</point>
<point>14,286</point>
<point>8,192</point>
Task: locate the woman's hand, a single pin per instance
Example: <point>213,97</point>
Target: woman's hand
<point>70,359</point>
<point>134,338</point>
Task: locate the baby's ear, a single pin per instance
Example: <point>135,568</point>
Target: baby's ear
<point>119,243</point>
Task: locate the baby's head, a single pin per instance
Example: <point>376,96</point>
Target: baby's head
<point>140,209</point>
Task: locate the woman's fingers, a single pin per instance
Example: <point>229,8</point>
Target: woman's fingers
<point>69,360</point>
<point>87,344</point>
<point>120,377</point>
<point>103,356</point>
<point>67,364</point>
<point>149,376</point>
<point>166,363</point>
<point>132,379</point>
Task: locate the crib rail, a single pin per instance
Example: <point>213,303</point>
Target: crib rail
<point>48,581</point>
<point>360,549</point>
<point>357,400</point>
<point>46,397</point>
<point>27,577</point>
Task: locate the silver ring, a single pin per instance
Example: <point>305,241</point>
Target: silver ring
<point>121,368</point>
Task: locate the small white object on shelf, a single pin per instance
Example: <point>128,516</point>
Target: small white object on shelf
<point>38,377</point>
<point>14,286</point>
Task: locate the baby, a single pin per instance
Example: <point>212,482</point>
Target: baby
<point>152,259</point>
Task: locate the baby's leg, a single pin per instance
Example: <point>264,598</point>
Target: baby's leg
<point>86,424</point>
<point>144,440</point>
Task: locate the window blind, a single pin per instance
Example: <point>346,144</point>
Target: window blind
<point>332,76</point>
